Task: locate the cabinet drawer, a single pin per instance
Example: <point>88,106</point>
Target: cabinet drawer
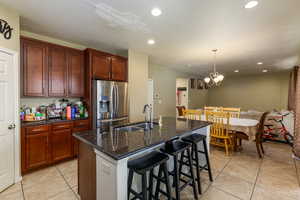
<point>81,123</point>
<point>62,126</point>
<point>37,129</point>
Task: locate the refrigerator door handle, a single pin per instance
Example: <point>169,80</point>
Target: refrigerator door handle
<point>117,99</point>
<point>112,102</point>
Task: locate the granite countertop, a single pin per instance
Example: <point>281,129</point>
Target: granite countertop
<point>119,144</point>
<point>51,121</point>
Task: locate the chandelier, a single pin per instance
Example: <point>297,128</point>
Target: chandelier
<point>214,78</point>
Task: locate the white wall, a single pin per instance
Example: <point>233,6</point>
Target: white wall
<point>137,84</point>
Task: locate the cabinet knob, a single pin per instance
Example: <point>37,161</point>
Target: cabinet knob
<point>11,126</point>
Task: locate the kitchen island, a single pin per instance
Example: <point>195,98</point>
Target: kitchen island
<point>114,148</point>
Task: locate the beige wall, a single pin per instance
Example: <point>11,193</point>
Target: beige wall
<point>261,92</point>
<point>165,89</point>
<point>12,17</point>
<point>137,84</point>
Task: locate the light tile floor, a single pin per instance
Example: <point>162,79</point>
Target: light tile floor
<point>241,176</point>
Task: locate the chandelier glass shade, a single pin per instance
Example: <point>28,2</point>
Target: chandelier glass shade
<point>214,78</point>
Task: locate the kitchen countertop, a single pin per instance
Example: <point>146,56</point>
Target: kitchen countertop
<point>51,121</point>
<point>119,144</point>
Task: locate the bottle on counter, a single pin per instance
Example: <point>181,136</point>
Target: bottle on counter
<point>73,112</point>
<point>69,112</point>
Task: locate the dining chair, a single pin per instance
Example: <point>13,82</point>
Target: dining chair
<point>219,131</point>
<point>234,112</point>
<point>192,114</point>
<point>259,135</point>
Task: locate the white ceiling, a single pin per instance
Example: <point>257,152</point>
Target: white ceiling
<point>185,33</point>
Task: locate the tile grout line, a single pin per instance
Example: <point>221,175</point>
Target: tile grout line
<point>257,175</point>
<point>66,181</point>
<point>220,174</point>
<point>297,172</point>
<point>22,190</point>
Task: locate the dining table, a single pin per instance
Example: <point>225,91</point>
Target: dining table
<point>244,125</point>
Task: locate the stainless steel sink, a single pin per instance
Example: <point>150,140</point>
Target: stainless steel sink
<point>146,125</point>
<point>136,127</point>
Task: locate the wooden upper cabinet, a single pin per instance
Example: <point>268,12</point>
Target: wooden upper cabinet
<point>101,66</point>
<point>57,71</point>
<point>75,73</point>
<point>118,69</point>
<point>34,62</point>
<point>105,66</point>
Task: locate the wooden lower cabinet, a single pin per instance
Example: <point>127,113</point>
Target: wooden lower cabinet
<point>37,151</point>
<point>61,144</point>
<point>47,144</point>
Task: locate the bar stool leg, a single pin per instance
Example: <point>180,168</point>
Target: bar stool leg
<point>129,184</point>
<point>151,185</point>
<point>197,168</point>
<point>166,175</point>
<point>144,186</point>
<point>158,183</point>
<point>192,173</point>
<point>207,160</point>
<point>176,177</point>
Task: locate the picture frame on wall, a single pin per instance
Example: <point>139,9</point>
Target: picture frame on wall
<point>193,83</point>
<point>200,84</point>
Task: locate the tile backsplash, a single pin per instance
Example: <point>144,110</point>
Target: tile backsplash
<point>35,102</point>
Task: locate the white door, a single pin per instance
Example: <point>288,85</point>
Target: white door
<point>7,119</point>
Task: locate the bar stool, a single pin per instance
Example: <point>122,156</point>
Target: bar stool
<point>176,149</point>
<point>145,164</point>
<point>194,139</point>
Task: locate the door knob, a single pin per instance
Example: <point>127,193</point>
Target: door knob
<point>11,126</point>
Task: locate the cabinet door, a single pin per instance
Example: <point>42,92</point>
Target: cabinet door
<point>36,150</point>
<point>34,66</point>
<point>61,144</point>
<point>101,66</point>
<point>119,69</point>
<point>57,71</point>
<point>75,73</point>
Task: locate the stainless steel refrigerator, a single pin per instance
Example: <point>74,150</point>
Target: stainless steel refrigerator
<point>110,103</point>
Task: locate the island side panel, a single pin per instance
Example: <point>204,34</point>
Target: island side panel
<point>86,172</point>
<point>111,177</point>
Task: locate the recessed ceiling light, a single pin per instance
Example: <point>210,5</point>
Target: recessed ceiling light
<point>251,4</point>
<point>236,71</point>
<point>260,63</point>
<point>156,12</point>
<point>264,70</point>
<point>151,42</point>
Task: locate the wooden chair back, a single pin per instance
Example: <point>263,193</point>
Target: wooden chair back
<point>259,135</point>
<point>220,126</point>
<point>192,114</point>
<point>260,129</point>
<point>234,112</point>
<point>180,110</point>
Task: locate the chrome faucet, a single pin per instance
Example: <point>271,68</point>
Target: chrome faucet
<point>148,113</point>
